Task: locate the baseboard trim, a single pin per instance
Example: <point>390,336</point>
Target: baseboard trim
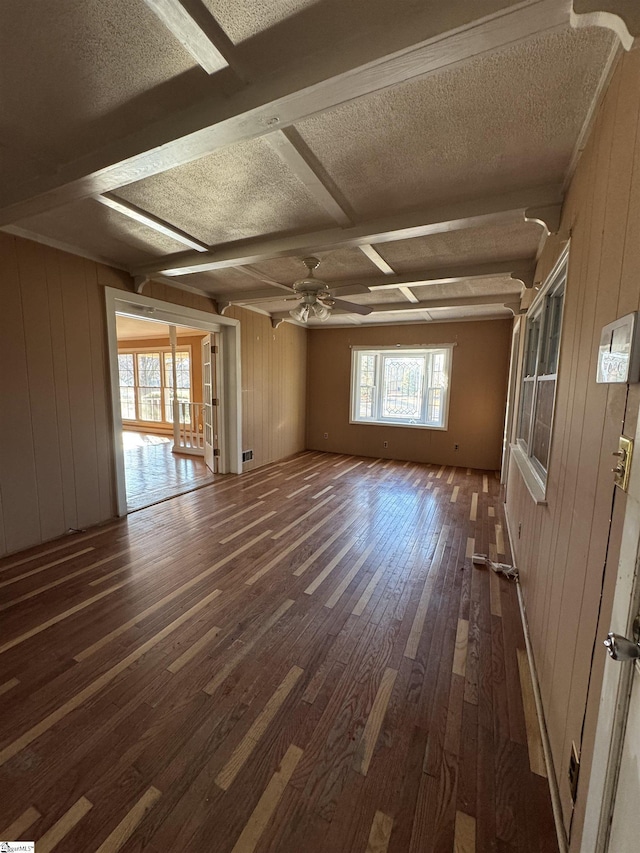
<point>546,745</point>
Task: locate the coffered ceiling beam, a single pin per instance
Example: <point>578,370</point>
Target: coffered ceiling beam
<point>377,259</point>
<point>518,269</point>
<point>296,154</point>
<point>408,294</point>
<point>153,222</point>
<point>500,300</point>
<point>498,210</point>
<point>289,96</point>
<point>189,33</point>
<point>448,302</point>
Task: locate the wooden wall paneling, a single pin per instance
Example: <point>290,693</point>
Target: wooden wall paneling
<point>81,391</point>
<point>629,293</point>
<point>101,398</point>
<point>63,409</point>
<point>587,454</point>
<point>620,170</point>
<point>42,387</point>
<point>562,546</point>
<point>273,387</point>
<point>3,540</point>
<point>17,459</point>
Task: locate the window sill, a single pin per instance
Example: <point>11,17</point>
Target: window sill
<point>397,424</point>
<point>531,479</point>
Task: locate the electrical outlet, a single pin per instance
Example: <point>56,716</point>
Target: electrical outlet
<point>385,444</point>
<point>326,435</point>
<point>456,447</point>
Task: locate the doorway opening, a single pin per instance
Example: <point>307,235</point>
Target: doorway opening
<point>175,379</point>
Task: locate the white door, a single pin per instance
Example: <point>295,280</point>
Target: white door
<point>209,401</point>
<point>612,818</point>
<point>625,826</point>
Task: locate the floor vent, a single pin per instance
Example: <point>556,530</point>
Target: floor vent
<point>247,455</point>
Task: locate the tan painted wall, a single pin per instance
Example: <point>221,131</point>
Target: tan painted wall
<point>562,547</point>
<point>273,387</point>
<point>478,392</point>
<point>56,465</point>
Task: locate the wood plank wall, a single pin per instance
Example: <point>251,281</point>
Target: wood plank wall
<point>56,465</point>
<point>274,370</point>
<point>478,394</point>
<point>562,548</point>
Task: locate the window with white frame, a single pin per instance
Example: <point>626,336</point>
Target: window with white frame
<point>146,384</point>
<point>401,387</point>
<point>540,371</point>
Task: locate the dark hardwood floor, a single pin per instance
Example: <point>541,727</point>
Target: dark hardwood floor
<point>300,660</point>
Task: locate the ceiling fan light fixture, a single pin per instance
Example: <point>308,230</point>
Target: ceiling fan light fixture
<point>300,313</point>
<point>321,311</point>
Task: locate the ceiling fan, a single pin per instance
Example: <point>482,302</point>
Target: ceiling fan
<point>315,297</point>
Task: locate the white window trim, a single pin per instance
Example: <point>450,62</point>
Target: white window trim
<point>353,396</point>
<point>529,467</point>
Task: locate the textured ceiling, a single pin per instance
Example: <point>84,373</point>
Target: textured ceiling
<point>91,69</point>
<point>338,264</point>
<point>131,328</point>
<point>102,232</point>
<point>509,119</point>
<point>238,192</point>
<point>468,246</point>
<point>106,92</point>
<point>269,33</point>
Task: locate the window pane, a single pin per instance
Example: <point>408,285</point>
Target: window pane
<point>531,354</point>
<point>183,369</point>
<point>125,369</point>
<point>542,422</point>
<point>552,333</point>
<point>434,406</point>
<point>403,381</point>
<point>150,404</point>
<point>149,369</point>
<point>525,410</point>
<point>127,403</point>
<point>367,385</point>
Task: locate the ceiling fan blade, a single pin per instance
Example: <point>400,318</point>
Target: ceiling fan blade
<point>351,307</point>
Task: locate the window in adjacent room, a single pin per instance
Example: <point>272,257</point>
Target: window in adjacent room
<point>540,371</point>
<point>401,387</point>
<point>146,384</point>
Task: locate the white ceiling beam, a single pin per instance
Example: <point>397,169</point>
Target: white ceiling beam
<point>296,154</point>
<point>289,96</point>
<point>375,256</point>
<point>506,209</point>
<point>408,294</point>
<point>517,269</point>
<point>187,31</point>
<point>498,299</point>
<point>447,302</point>
<point>153,222</point>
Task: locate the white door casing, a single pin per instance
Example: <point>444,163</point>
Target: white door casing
<point>228,373</point>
